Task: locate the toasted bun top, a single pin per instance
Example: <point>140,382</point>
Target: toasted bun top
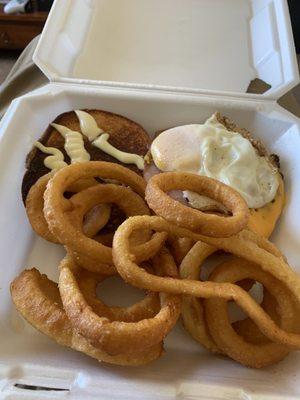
<point>124,134</point>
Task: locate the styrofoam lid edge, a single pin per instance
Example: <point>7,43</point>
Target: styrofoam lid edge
<point>287,49</point>
<point>289,68</point>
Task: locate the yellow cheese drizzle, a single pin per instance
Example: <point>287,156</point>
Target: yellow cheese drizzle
<point>90,129</point>
<point>74,144</point>
<point>56,160</point>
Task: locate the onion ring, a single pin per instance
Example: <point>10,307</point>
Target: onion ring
<point>192,312</point>
<point>237,245</point>
<point>35,205</point>
<point>37,299</point>
<point>91,254</point>
<point>180,247</point>
<point>230,342</point>
<point>192,307</point>
<point>146,308</point>
<point>190,218</point>
<point>57,207</point>
<point>249,330</point>
<point>34,208</point>
<point>115,337</point>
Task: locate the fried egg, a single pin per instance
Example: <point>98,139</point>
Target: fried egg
<point>211,150</point>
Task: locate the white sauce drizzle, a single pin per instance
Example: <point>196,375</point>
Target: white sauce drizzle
<point>89,128</point>
<point>74,144</point>
<point>127,158</point>
<point>88,125</point>
<point>56,160</point>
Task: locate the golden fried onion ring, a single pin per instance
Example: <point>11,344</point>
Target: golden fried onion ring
<point>38,301</point>
<point>111,336</point>
<point>192,307</point>
<point>96,219</point>
<point>34,208</point>
<point>180,247</point>
<point>57,207</point>
<point>91,254</point>
<point>250,250</point>
<point>194,321</point>
<point>192,310</point>
<point>190,218</point>
<point>146,308</point>
<point>230,342</point>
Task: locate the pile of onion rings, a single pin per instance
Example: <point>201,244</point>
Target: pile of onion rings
<point>163,254</point>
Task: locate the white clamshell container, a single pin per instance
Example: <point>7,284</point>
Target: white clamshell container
<point>102,54</point>
<point>223,44</point>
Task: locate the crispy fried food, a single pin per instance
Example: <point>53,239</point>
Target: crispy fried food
<point>190,218</point>
<point>254,251</point>
<point>38,301</point>
<point>91,254</point>
<point>231,342</point>
<point>35,209</point>
<point>58,204</point>
<point>35,206</point>
<point>192,311</point>
<point>146,308</point>
<point>114,336</point>
<point>248,329</point>
<point>192,308</point>
<point>180,247</point>
<point>75,317</point>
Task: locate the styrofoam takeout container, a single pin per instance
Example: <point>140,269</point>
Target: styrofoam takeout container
<point>186,371</point>
<point>223,44</point>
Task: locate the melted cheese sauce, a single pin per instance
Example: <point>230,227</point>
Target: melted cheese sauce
<point>74,144</point>
<point>56,160</point>
<point>263,220</point>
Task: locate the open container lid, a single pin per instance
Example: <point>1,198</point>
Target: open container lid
<point>201,46</point>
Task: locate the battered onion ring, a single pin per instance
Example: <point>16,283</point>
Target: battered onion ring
<point>190,218</point>
<point>89,253</point>
<point>237,245</point>
<point>192,310</point>
<point>38,301</point>
<point>35,205</point>
<point>180,247</point>
<point>105,238</point>
<point>115,337</point>
<point>146,308</point>
<point>249,330</point>
<point>230,342</point>
<point>34,208</point>
<point>57,206</point>
<point>192,307</point>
